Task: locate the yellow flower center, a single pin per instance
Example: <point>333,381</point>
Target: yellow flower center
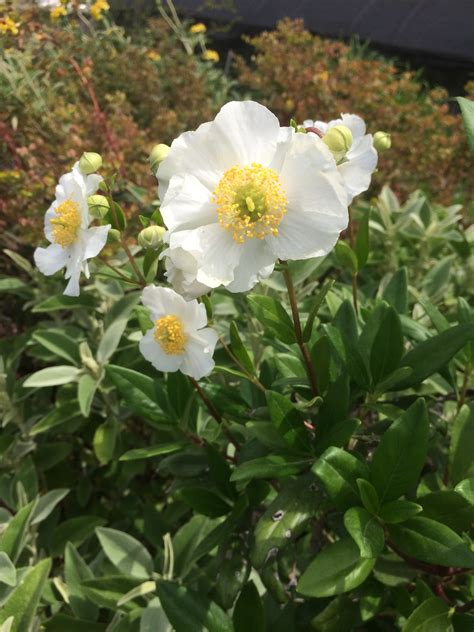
<point>170,335</point>
<point>67,223</point>
<point>250,202</point>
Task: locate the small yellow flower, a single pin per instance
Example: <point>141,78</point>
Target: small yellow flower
<point>57,12</point>
<point>99,7</point>
<point>153,55</point>
<point>198,28</point>
<point>7,25</point>
<point>210,55</point>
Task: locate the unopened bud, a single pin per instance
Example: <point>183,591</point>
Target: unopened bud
<point>158,154</point>
<point>113,236</point>
<point>382,141</point>
<point>339,140</point>
<point>98,206</point>
<point>90,162</point>
<point>151,237</point>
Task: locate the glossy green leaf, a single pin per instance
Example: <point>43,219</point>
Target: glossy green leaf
<point>126,553</point>
<point>337,569</point>
<point>268,467</point>
<point>387,347</point>
<point>431,616</point>
<point>104,441</point>
<point>118,319</point>
<point>238,349</point>
<point>138,391</point>
<point>316,304</point>
<point>60,302</point>
<point>368,495</point>
<point>86,389</point>
<point>461,462</point>
<point>76,571</point>
<point>75,530</point>
<point>58,343</point>
<point>396,291</point>
<point>399,511</point>
<point>346,256</point>
<point>466,489</point>
<point>448,507</point>
<point>365,531</point>
<point>362,245</point>
<point>138,454</point>
<point>273,316</point>
<point>400,455</point>
<point>106,591</point>
<point>249,614</point>
<point>46,504</point>
<point>12,539</point>
<point>338,471</point>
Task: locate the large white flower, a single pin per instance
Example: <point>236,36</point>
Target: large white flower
<point>240,192</point>
<point>180,339</point>
<point>66,226</point>
<point>360,161</point>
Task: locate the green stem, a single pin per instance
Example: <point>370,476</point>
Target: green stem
<point>298,331</point>
<point>354,274</point>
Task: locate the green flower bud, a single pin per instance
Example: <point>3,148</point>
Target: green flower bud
<point>339,140</point>
<point>151,237</point>
<point>113,236</point>
<point>90,162</point>
<point>99,206</point>
<point>158,154</point>
<point>382,141</point>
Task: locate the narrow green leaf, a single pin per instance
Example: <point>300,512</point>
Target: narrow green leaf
<point>337,569</point>
<point>268,467</point>
<point>138,392</point>
<point>58,343</point>
<point>368,495</point>
<point>431,616</point>
<point>396,291</point>
<point>399,511</point>
<point>13,538</point>
<point>75,530</point>
<point>238,349</point>
<point>86,389</point>
<point>148,453</point>
<point>365,531</point>
<point>338,471</point>
<point>46,504</point>
<point>55,303</point>
<point>52,376</point>
<point>126,553</point>
<point>76,571</point>
<point>273,316</point>
<point>387,348</point>
<point>461,463</point>
<point>106,591</point>
<point>448,507</point>
<point>317,301</point>
<point>467,111</point>
<point>346,256</point>
<point>7,570</point>
<point>118,318</point>
<point>362,246</point>
<point>249,613</point>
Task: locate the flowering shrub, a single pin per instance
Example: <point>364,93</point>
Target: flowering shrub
<point>283,440</point>
<point>299,74</point>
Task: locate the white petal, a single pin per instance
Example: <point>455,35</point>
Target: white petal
<point>72,288</point>
<point>95,240</point>
<point>219,254</point>
<point>189,206</point>
<point>256,262</point>
<point>51,259</point>
<point>163,301</point>
<point>250,129</point>
<point>181,271</point>
<point>92,182</point>
<point>151,351</point>
<point>194,316</point>
<point>197,361</point>
<point>355,123</point>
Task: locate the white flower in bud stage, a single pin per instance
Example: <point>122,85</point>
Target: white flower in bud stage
<point>180,339</point>
<point>241,192</point>
<point>181,271</point>
<point>359,163</point>
<point>66,226</point>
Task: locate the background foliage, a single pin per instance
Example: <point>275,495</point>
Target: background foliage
<point>126,503</point>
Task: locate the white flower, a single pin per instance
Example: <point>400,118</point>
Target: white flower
<point>180,339</point>
<point>181,272</point>
<point>240,192</point>
<point>361,159</point>
<point>66,226</point>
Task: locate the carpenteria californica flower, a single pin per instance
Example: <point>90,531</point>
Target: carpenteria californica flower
<point>359,163</point>
<point>180,339</point>
<point>241,192</point>
<point>181,271</point>
<point>66,226</point>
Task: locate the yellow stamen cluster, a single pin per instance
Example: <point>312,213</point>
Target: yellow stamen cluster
<point>67,223</point>
<point>250,202</point>
<point>198,28</point>
<point>99,7</point>
<point>170,335</point>
<point>210,55</point>
<point>7,25</point>
<point>57,12</point>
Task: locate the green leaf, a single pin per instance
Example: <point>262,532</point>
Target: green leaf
<point>368,495</point>
<point>13,538</point>
<point>362,247</point>
<point>317,301</point>
<point>467,111</point>
<point>321,357</point>
<point>104,441</point>
<point>346,322</point>
<point>338,470</point>
<point>431,616</point>
<point>139,454</point>
<point>396,291</point>
<point>431,542</point>
<point>126,553</point>
<point>106,591</point>
<point>204,501</point>
<point>46,504</point>
<point>86,389</point>
<point>400,455</point>
<point>58,343</point>
<point>187,610</point>
<point>365,531</point>
<point>461,463</point>
<point>273,316</point>
<point>387,348</point>
<point>154,619</point>
<point>341,615</point>
<point>118,319</point>
<point>287,420</point>
<point>7,570</point>
<point>52,376</point>
<point>23,601</point>
<point>448,507</point>
<point>238,349</point>
<point>249,614</point>
<point>138,392</point>
<point>267,467</point>
<point>438,277</point>
<point>337,569</point>
<point>346,256</point>
<point>75,530</point>
<point>76,571</point>
<point>431,355</point>
<point>57,416</point>
<point>466,489</point>
<point>55,303</point>
<point>285,518</point>
<point>399,511</point>
<point>61,623</point>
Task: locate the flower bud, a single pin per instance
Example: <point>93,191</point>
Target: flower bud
<point>158,154</point>
<point>151,237</point>
<point>113,236</point>
<point>382,141</point>
<point>339,140</point>
<point>90,162</point>
<point>99,206</point>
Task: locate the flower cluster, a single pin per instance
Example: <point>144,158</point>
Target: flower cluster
<point>237,195</point>
<point>8,25</point>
